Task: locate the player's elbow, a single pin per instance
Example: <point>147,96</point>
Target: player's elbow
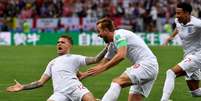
<point>91,60</point>
<point>40,83</point>
<point>121,57</point>
<point>96,60</point>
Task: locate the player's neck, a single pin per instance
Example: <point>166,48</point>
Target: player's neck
<point>60,54</point>
<point>187,20</point>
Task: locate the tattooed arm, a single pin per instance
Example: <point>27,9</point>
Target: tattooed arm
<point>98,58</point>
<point>91,60</point>
<point>19,87</point>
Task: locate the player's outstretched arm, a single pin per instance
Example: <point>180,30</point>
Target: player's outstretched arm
<point>83,75</point>
<point>98,58</point>
<point>119,56</point>
<point>15,88</point>
<point>19,87</point>
<point>175,32</point>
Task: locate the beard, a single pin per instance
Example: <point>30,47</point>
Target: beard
<point>180,20</point>
<point>105,40</point>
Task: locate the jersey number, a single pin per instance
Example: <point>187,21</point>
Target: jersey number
<point>136,65</point>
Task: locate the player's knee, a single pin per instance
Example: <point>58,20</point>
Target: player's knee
<point>135,97</point>
<point>170,73</point>
<point>123,82</point>
<point>88,97</point>
<point>118,81</point>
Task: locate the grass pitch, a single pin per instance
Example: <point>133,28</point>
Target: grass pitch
<point>27,63</point>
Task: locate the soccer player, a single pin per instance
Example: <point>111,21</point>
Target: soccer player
<point>62,70</point>
<point>189,30</point>
<point>124,43</point>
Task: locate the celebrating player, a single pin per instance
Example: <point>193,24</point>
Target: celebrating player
<point>63,70</point>
<point>188,28</point>
<point>140,76</point>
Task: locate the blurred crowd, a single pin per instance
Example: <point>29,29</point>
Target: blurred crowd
<point>138,15</point>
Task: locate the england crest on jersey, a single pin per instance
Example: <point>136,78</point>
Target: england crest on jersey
<point>190,29</point>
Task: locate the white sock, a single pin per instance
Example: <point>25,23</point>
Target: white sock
<point>196,93</point>
<point>169,85</point>
<point>113,92</point>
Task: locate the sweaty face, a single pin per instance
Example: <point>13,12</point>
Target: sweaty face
<point>181,15</point>
<point>102,33</point>
<point>63,46</point>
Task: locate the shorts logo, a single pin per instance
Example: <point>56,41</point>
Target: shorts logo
<point>136,65</point>
<point>188,60</point>
<point>80,87</point>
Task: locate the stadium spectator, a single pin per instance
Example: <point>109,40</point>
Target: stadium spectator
<point>26,12</point>
<point>2,8</point>
<point>62,70</point>
<point>67,10</point>
<point>144,17</point>
<point>26,27</point>
<point>140,76</point>
<point>188,28</point>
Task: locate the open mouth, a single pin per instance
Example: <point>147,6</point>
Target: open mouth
<point>59,48</point>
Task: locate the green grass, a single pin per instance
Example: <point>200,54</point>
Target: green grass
<point>27,63</point>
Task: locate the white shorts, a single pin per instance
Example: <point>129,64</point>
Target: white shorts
<point>75,91</point>
<point>142,76</point>
<point>191,65</point>
<point>195,76</point>
<point>59,97</point>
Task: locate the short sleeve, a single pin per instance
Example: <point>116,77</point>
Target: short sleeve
<point>48,68</point>
<point>81,60</point>
<point>120,40</point>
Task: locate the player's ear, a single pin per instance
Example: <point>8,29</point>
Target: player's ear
<point>106,30</point>
<point>70,45</point>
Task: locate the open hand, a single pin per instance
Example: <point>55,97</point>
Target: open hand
<point>167,41</point>
<point>15,88</point>
<point>95,70</point>
<point>83,75</point>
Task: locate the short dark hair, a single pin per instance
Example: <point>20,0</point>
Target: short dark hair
<point>106,23</point>
<point>185,6</point>
<point>67,37</point>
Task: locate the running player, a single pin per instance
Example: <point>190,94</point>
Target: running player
<point>188,28</point>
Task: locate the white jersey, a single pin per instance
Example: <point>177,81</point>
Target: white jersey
<point>137,49</point>
<point>144,70</point>
<point>63,70</point>
<point>190,35</point>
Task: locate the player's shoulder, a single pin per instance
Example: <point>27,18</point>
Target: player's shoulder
<point>121,31</point>
<point>70,57</point>
<point>76,56</point>
<point>52,61</point>
<point>195,21</point>
<point>65,56</point>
